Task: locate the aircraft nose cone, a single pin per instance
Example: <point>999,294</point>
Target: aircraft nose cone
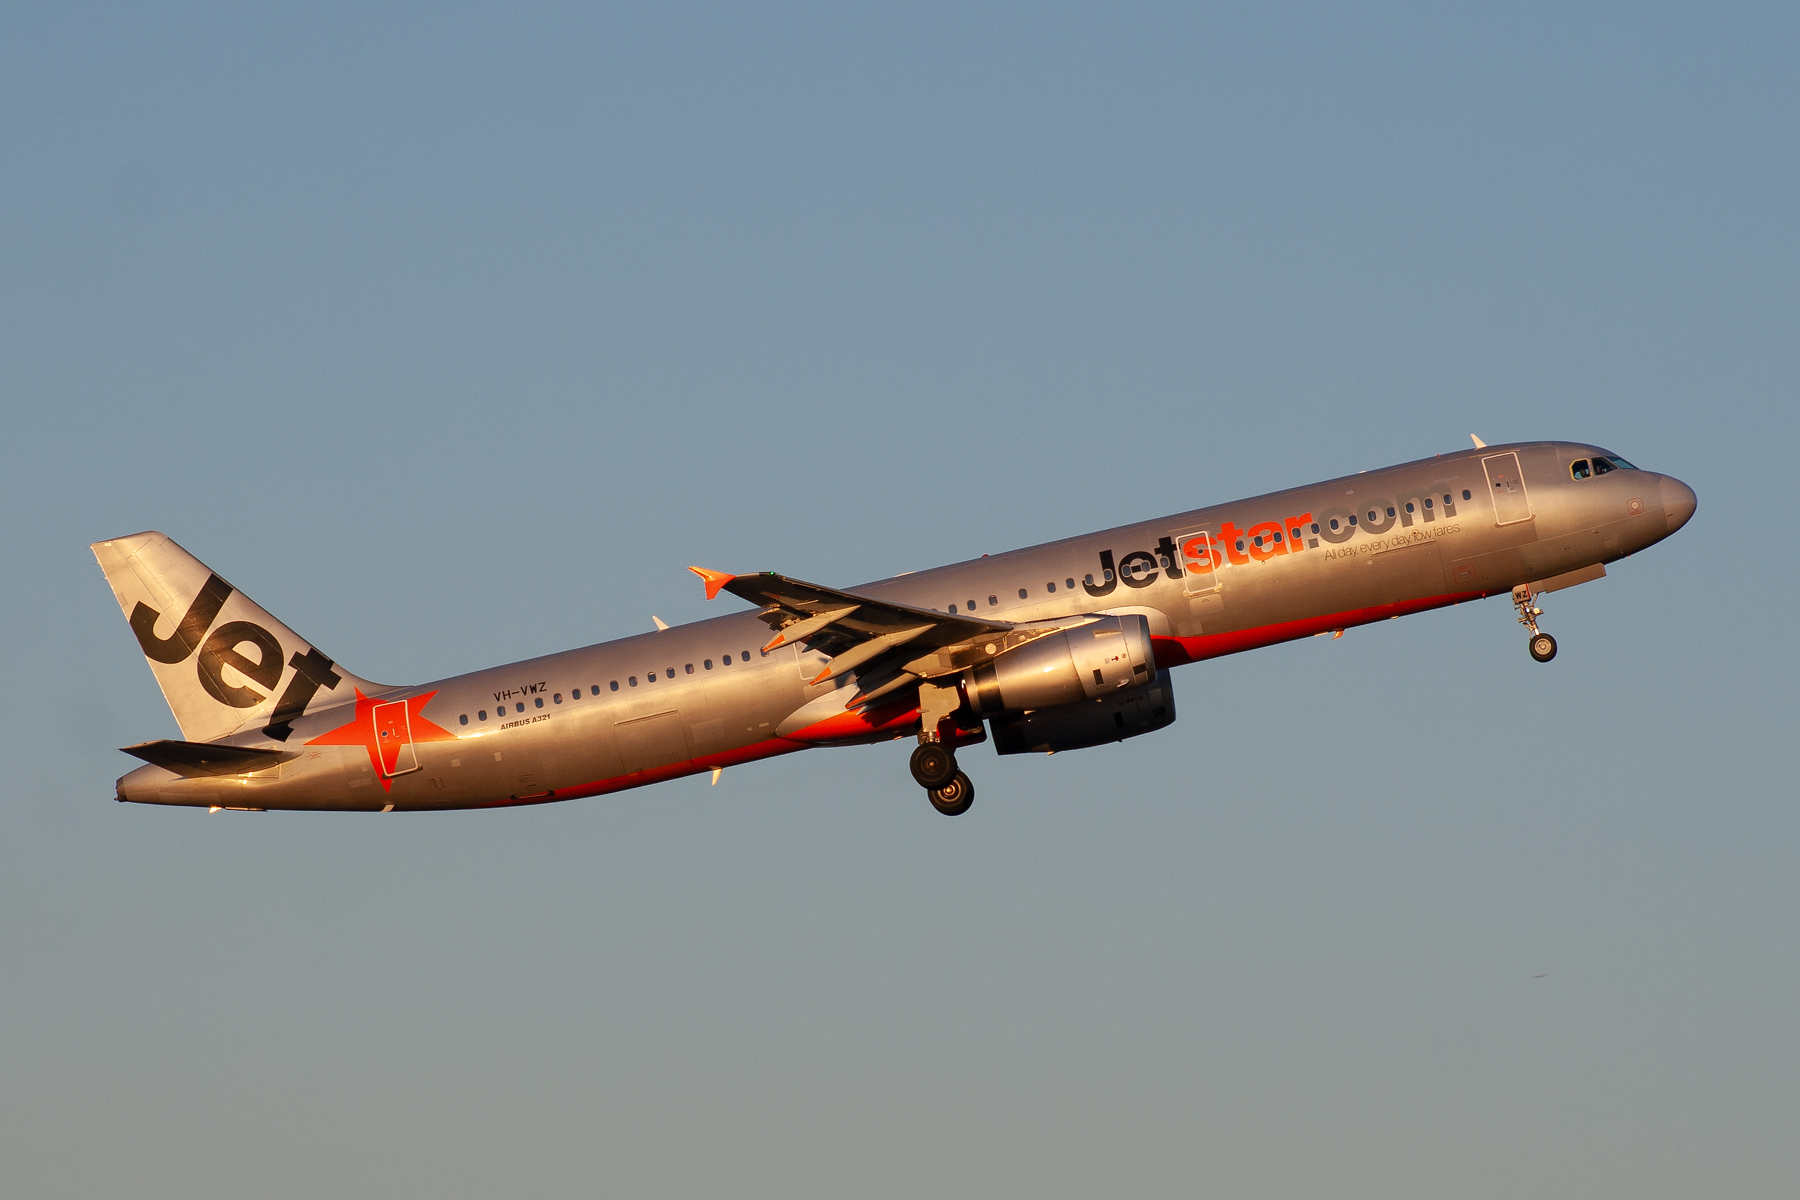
<point>1679,502</point>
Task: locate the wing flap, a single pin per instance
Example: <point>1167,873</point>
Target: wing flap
<point>857,630</point>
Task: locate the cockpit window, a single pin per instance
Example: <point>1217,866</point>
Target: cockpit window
<point>1603,465</point>
<point>1579,468</point>
<point>1620,463</point>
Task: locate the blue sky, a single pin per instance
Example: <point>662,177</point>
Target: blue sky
<point>453,335</point>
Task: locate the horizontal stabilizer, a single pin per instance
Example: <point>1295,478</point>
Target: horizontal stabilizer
<point>203,760</point>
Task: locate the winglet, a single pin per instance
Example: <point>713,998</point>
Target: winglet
<point>1479,444</point>
<point>714,580</point>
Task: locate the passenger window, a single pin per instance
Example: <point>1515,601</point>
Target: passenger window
<point>1255,541</point>
<point>521,705</point>
<point>1107,575</point>
<point>743,656</point>
<point>632,680</point>
<point>993,601</point>
<point>1601,466</point>
<point>1466,496</point>
<point>1315,526</point>
<point>707,664</point>
<point>1240,545</point>
<point>1071,583</point>
<point>953,610</point>
<point>557,697</point>
<point>1088,579</point>
<point>1021,593</point>
<point>1334,523</point>
<point>539,702</point>
<point>1051,586</point>
<point>1276,535</point>
<point>1390,512</point>
<point>1428,503</point>
<point>463,720</point>
<point>1353,518</point>
<point>615,685</point>
<point>973,606</point>
<point>669,672</point>
<point>1579,468</point>
<point>690,668</point>
<point>482,715</point>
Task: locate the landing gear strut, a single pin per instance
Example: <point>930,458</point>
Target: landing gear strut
<point>1542,645</point>
<point>934,762</point>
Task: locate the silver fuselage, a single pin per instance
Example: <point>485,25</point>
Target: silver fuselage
<point>696,697</point>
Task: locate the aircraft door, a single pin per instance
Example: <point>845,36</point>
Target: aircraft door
<point>1202,566</point>
<point>654,739</point>
<point>1201,558</point>
<point>1506,484</point>
<point>393,739</point>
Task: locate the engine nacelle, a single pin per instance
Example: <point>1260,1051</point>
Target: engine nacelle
<point>1112,654</point>
<point>1111,718</point>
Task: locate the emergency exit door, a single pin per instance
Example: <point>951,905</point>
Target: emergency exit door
<point>393,739</point>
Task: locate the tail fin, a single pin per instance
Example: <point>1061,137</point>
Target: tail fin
<point>225,665</point>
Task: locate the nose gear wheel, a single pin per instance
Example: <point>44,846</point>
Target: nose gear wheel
<point>1541,645</point>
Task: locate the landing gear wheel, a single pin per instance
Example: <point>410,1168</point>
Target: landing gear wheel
<point>1543,647</point>
<point>933,766</point>
<point>954,798</point>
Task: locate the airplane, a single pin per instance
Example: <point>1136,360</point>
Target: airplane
<point>1057,647</point>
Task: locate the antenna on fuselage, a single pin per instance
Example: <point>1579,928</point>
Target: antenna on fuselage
<point>1479,444</point>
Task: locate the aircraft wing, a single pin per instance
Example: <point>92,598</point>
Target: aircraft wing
<point>897,644</point>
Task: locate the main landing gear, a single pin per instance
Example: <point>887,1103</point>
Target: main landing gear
<point>934,762</point>
<point>934,769</point>
<point>954,798</point>
<point>1542,645</point>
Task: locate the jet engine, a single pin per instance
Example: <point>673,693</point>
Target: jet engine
<point>1106,656</point>
<point>1110,718</point>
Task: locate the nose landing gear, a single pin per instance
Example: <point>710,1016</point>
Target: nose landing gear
<point>1542,645</point>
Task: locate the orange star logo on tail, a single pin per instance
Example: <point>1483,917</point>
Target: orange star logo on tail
<point>386,729</point>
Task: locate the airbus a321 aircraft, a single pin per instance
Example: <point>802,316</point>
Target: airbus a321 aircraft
<point>1052,648</point>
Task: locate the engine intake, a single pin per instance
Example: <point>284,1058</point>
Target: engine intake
<point>1111,718</point>
<point>1110,655</point>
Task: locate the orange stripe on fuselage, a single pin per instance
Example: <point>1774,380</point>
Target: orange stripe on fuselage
<point>1170,652</point>
<point>1174,651</point>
